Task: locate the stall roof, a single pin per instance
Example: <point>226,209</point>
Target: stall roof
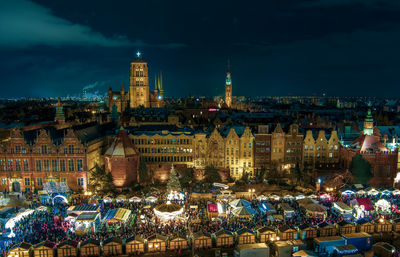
<point>84,208</point>
<point>356,235</point>
<point>120,214</point>
<point>87,216</point>
<point>327,239</point>
<point>135,238</point>
<point>90,241</point>
<point>23,245</point>
<point>112,239</point>
<point>47,244</point>
<point>366,202</point>
<point>69,242</point>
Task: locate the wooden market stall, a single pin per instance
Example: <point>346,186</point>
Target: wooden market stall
<point>21,250</point>
<point>346,227</point>
<point>396,225</point>
<point>176,242</point>
<point>156,243</point>
<point>134,245</point>
<point>202,240</point>
<point>366,226</point>
<point>112,246</point>
<point>287,233</point>
<point>223,238</point>
<point>245,236</point>
<point>326,229</point>
<point>67,248</point>
<point>90,247</point>
<point>306,231</point>
<point>383,225</point>
<point>266,234</point>
<point>44,249</point>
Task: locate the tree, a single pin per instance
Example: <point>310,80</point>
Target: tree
<point>100,182</point>
<point>173,184</point>
<point>212,175</point>
<point>186,177</point>
<point>361,170</point>
<point>143,172</point>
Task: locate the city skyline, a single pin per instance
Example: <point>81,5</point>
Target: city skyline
<point>331,47</point>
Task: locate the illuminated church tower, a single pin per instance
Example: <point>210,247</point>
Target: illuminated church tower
<point>228,87</point>
<point>368,124</point>
<point>139,83</point>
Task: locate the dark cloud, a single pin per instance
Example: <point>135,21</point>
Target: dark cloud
<point>24,24</point>
<point>276,47</point>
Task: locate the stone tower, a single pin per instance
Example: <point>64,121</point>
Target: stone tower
<point>228,87</point>
<point>368,124</point>
<point>139,94</point>
<point>60,118</point>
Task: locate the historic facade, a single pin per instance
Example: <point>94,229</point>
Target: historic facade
<point>27,165</point>
<point>122,160</point>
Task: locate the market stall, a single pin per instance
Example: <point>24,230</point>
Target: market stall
<point>287,210</point>
<point>383,206</point>
<point>223,238</point>
<point>156,243</point>
<point>243,212</point>
<point>120,215</point>
<point>112,246</point>
<point>134,245</point>
<point>44,249</point>
<point>239,203</point>
<point>20,250</point>
<point>343,209</point>
<point>202,240</point>
<point>362,207</point>
<point>87,222</point>
<point>245,236</point>
<point>177,242</point>
<point>67,248</point>
<point>90,247</point>
<point>266,234</point>
<point>135,199</point>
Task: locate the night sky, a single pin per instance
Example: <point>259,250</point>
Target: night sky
<point>276,47</point>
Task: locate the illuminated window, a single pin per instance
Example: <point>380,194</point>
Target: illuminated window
<point>39,181</point>
<point>80,182</point>
<point>27,182</point>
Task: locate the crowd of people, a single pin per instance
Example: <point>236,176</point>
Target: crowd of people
<point>51,225</point>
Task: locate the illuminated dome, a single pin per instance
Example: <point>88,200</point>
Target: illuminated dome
<point>168,210</point>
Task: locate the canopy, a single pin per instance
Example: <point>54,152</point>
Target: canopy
<point>348,192</point>
<point>261,198</point>
<point>243,212</point>
<point>288,197</point>
<point>121,198</point>
<point>299,197</point>
<point>274,197</point>
<point>239,203</point>
<point>364,202</point>
<point>304,253</point>
<point>135,199</point>
<point>107,199</point>
<point>151,199</point>
<point>396,192</point>
<point>117,215</point>
<point>383,205</point>
<point>386,192</point>
<point>373,191</point>
<point>312,196</point>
